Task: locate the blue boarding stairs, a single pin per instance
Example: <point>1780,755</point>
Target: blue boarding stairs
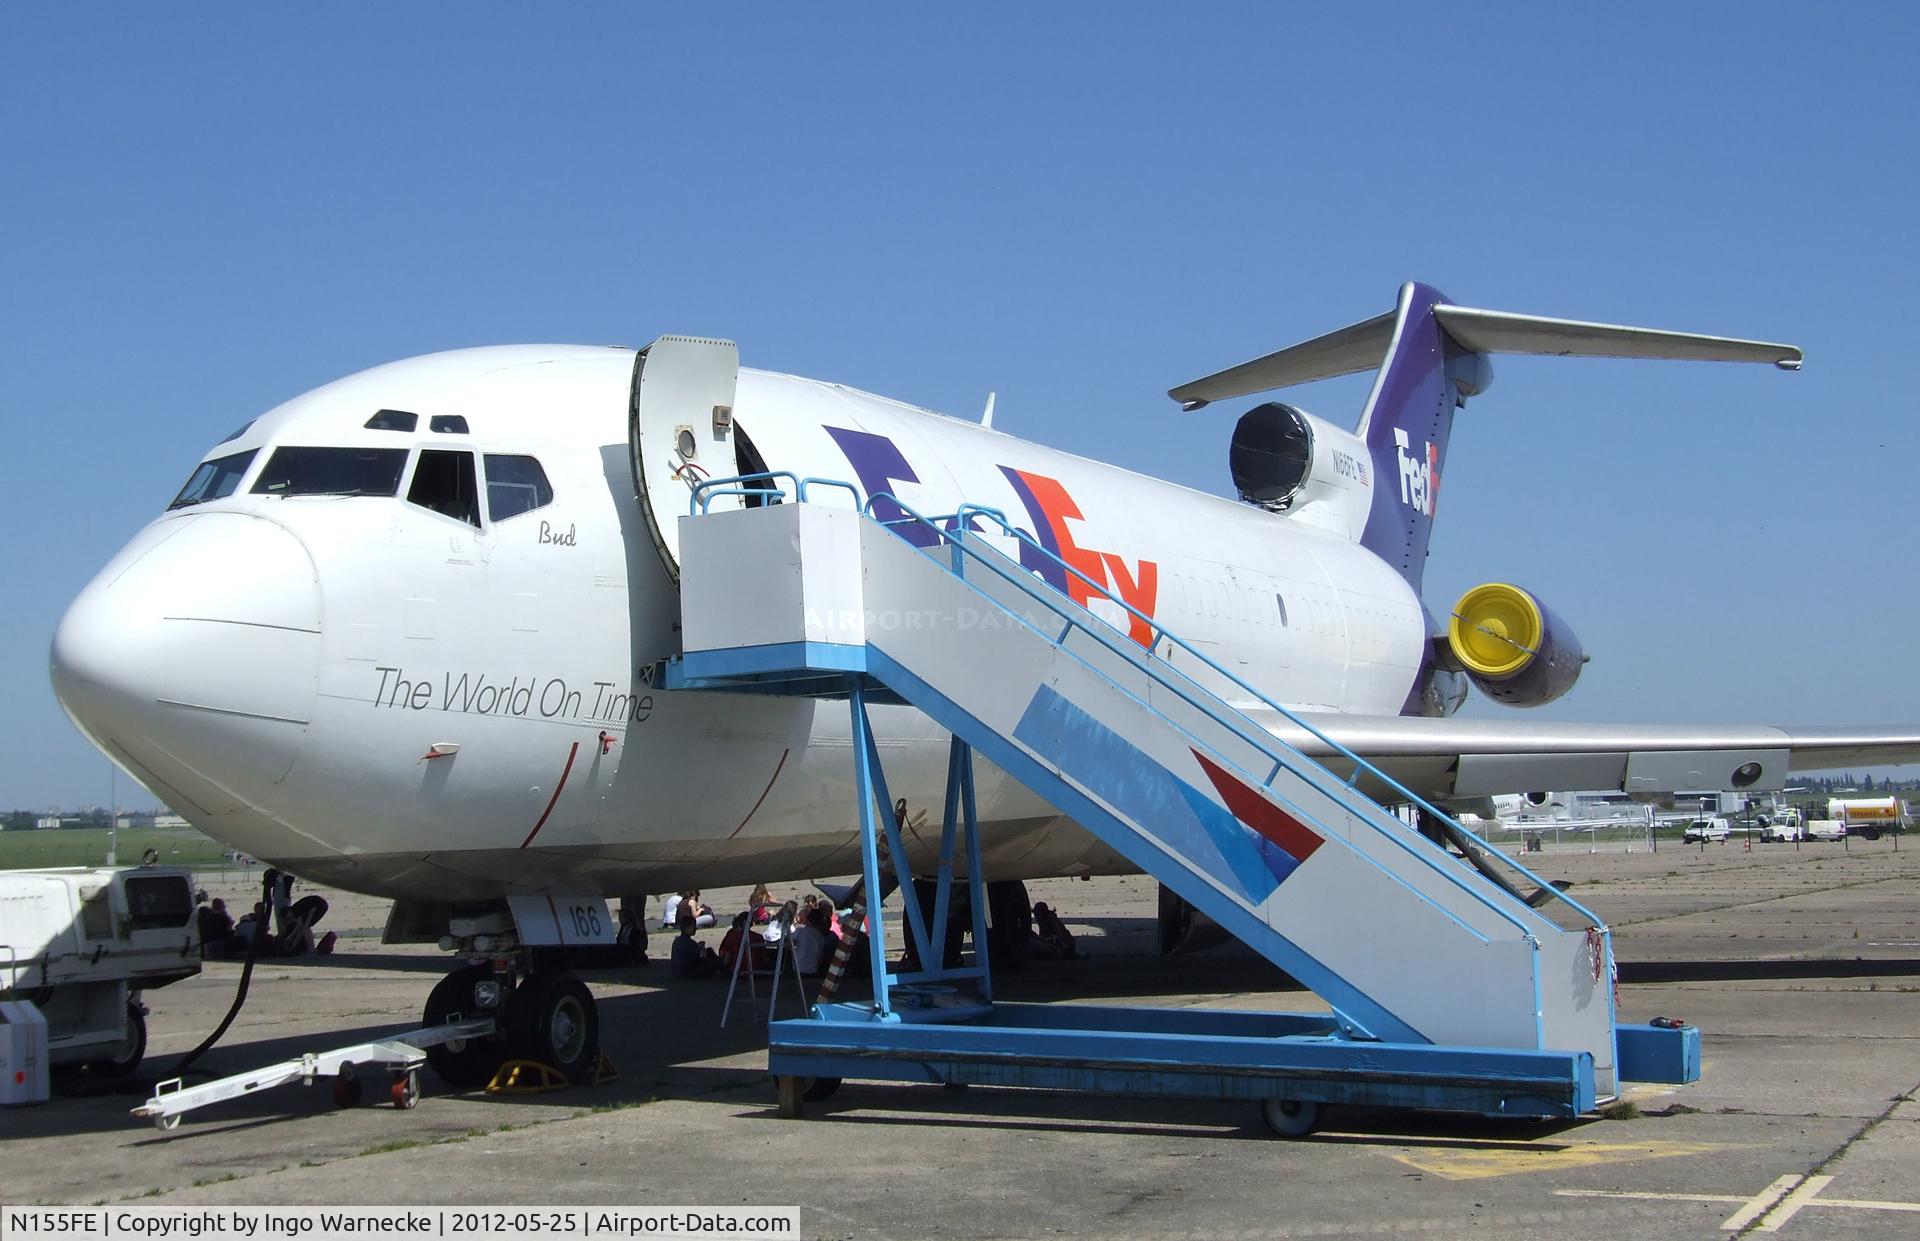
<point>1451,986</point>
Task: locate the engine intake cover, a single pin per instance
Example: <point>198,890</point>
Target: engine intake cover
<point>1512,647</point>
<point>1271,455</point>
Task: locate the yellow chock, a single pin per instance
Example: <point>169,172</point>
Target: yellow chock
<point>526,1077</point>
<point>604,1070</point>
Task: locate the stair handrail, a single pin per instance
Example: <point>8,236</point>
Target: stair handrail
<point>701,496</point>
<point>950,526</point>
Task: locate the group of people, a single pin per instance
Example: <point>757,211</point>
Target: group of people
<point>291,924</point>
<point>811,925</point>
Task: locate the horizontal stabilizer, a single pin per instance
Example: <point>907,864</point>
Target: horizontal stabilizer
<point>1363,346</point>
<point>1496,331</point>
<point>1356,347</point>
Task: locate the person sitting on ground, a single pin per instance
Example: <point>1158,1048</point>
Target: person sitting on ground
<point>730,944</point>
<point>310,909</point>
<point>632,935</point>
<point>687,898</point>
<point>1053,932</point>
<point>691,958</point>
<point>813,942</point>
<point>249,926</point>
<point>781,923</point>
<point>216,930</point>
<point>762,904</point>
<point>295,941</point>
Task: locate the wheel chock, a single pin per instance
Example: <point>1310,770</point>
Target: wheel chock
<point>604,1069</point>
<point>527,1077</point>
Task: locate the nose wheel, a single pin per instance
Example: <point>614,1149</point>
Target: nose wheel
<point>553,1020</point>
<point>469,1063</point>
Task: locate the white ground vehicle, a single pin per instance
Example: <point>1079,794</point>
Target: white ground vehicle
<point>1706,829</point>
<point>1781,826</point>
<point>1824,829</point>
<point>82,943</point>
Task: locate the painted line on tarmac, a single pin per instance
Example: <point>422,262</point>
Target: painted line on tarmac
<point>1790,1205</point>
<point>1761,1203</point>
<point>1867,1204</point>
<point>1646,1195</point>
<point>1772,1207</point>
<point>1472,1165</point>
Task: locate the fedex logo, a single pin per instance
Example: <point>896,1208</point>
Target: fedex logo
<point>880,466</point>
<point>1419,476</point>
<point>1048,503</point>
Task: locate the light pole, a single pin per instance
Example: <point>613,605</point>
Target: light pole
<point>113,813</point>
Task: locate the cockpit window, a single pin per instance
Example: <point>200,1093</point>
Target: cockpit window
<point>244,428</point>
<point>443,482</point>
<point>448,424</point>
<point>332,472</point>
<point>213,480</point>
<point>515,485</point>
<point>393,420</point>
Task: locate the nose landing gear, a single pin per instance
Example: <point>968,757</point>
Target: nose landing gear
<point>550,1018</point>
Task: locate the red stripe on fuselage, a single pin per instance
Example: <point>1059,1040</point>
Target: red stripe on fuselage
<point>1261,815</point>
<point>564,773</point>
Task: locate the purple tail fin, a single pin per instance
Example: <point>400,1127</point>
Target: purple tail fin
<point>1426,376</point>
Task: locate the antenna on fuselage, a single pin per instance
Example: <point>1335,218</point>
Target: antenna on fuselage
<point>986,415</point>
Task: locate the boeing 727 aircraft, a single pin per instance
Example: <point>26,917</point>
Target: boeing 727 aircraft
<point>401,633</point>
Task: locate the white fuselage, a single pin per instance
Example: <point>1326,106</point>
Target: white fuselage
<point>280,667</point>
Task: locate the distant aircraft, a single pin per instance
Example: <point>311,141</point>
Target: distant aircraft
<point>398,634</point>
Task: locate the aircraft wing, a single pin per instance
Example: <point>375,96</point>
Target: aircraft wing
<point>1456,758</point>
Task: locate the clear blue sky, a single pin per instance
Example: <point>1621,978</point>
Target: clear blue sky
<point>208,209</point>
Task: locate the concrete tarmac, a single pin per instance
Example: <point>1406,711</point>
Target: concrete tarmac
<point>1802,966</point>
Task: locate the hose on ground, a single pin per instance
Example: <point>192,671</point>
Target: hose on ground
<point>260,934</point>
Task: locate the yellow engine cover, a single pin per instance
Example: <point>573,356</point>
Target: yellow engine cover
<point>1496,630</point>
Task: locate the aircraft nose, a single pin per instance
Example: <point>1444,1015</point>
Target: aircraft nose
<point>195,654</point>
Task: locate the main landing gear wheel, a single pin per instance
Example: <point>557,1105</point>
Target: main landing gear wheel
<point>127,1061</point>
<point>1290,1118</point>
<point>552,1019</point>
<point>469,1063</point>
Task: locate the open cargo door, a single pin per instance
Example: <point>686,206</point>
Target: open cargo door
<point>680,430</point>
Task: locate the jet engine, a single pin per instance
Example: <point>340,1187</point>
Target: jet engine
<point>1284,459</point>
<point>1511,647</point>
